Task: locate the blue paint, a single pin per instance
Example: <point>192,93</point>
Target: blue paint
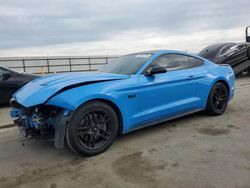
<point>15,113</point>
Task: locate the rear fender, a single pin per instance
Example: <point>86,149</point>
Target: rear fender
<point>229,83</point>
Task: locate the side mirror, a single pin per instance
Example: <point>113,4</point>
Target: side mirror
<point>6,75</point>
<point>155,70</point>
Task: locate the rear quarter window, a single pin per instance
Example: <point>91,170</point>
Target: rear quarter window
<point>195,62</point>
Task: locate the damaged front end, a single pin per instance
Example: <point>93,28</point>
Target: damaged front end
<point>41,122</point>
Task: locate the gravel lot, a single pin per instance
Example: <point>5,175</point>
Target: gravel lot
<point>193,151</point>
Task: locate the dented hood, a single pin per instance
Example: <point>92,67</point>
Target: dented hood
<point>40,90</point>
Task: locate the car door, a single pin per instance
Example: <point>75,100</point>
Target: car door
<point>171,93</point>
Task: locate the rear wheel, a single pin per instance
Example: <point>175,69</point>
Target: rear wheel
<point>248,71</point>
<point>217,99</point>
<point>92,129</point>
<point>248,53</point>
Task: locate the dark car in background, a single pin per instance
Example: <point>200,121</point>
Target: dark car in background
<point>10,82</point>
<point>237,55</point>
<point>227,53</point>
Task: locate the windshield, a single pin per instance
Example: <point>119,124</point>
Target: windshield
<point>128,64</point>
<point>228,48</point>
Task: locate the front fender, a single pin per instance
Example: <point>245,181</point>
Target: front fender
<point>72,102</point>
<point>74,98</point>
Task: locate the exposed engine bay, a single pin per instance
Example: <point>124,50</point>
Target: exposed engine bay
<point>41,122</point>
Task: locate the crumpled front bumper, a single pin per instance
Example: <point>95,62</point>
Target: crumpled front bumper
<point>35,126</point>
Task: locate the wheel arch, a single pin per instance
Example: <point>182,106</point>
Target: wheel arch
<point>213,83</point>
<point>77,102</point>
<point>209,107</point>
<point>222,80</point>
<point>225,83</point>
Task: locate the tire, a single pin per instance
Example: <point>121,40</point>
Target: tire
<point>92,129</point>
<point>248,71</point>
<point>248,53</point>
<point>217,99</point>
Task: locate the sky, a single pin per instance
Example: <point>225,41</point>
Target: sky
<point>116,27</point>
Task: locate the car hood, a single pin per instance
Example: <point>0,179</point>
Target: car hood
<point>40,90</point>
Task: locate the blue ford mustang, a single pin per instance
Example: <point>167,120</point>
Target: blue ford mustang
<point>132,91</point>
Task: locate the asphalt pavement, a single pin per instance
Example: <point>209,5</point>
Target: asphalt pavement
<point>5,119</point>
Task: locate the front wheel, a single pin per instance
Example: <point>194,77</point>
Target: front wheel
<point>217,99</point>
<point>248,53</point>
<point>248,71</point>
<point>92,129</point>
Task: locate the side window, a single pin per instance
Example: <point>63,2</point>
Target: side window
<point>194,62</point>
<point>171,62</point>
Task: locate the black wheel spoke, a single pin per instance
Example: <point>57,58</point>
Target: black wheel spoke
<point>81,131</point>
<point>220,91</point>
<point>103,136</point>
<point>219,107</point>
<point>223,96</point>
<point>106,121</point>
<point>90,117</point>
<point>216,105</point>
<point>215,100</point>
<point>222,104</point>
<point>98,118</point>
<point>81,134</point>
<point>216,95</point>
<point>107,133</point>
<point>89,141</point>
<point>103,118</point>
<point>82,128</point>
<point>95,118</point>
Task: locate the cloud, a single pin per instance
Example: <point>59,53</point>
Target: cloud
<point>30,27</point>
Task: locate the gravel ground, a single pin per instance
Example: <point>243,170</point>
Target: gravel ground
<point>193,151</point>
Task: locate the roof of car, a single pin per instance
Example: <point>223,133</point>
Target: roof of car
<point>157,51</point>
<point>145,52</point>
<point>161,52</point>
<point>212,51</point>
<point>217,46</point>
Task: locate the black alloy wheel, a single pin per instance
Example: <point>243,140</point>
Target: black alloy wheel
<point>218,99</point>
<point>92,129</point>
